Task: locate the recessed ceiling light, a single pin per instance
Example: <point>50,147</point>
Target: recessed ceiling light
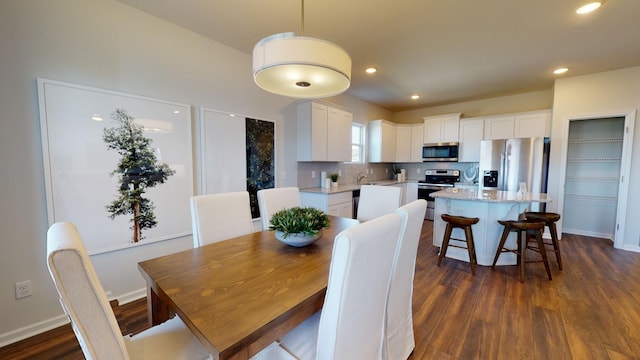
<point>415,97</point>
<point>176,111</point>
<point>587,8</point>
<point>96,117</point>
<point>561,70</point>
<point>371,70</point>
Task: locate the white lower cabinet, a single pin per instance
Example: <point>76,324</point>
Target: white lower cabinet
<point>411,192</point>
<point>403,192</point>
<point>337,204</point>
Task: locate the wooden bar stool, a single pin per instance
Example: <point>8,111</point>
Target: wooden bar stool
<point>522,228</point>
<point>550,220</point>
<point>465,224</point>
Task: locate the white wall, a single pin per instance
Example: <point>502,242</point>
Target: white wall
<point>611,92</point>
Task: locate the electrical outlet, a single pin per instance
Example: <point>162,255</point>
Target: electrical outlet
<point>313,174</point>
<point>23,289</point>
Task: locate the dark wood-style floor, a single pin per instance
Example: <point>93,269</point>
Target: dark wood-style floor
<point>590,310</point>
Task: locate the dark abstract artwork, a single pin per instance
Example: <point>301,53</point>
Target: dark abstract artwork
<point>260,159</point>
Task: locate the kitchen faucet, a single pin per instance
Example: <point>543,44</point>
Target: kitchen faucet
<point>360,177</point>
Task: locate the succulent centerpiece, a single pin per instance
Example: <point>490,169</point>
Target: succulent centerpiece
<point>299,226</point>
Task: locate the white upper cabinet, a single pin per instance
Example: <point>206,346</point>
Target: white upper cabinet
<point>443,128</point>
<point>519,125</point>
<point>382,141</point>
<point>403,143</point>
<point>417,140</point>
<point>409,141</point>
<point>499,127</point>
<point>324,132</point>
<point>471,134</point>
<point>339,134</point>
<point>532,124</point>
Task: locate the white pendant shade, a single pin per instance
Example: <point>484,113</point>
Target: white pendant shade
<point>301,67</point>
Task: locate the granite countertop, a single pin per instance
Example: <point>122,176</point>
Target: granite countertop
<point>490,195</point>
<point>350,187</point>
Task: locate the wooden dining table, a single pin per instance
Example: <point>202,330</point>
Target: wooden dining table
<point>239,295</point>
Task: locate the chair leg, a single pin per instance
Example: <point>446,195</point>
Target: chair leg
<point>503,239</point>
<point>445,243</point>
<point>522,250</point>
<point>545,260</point>
<point>556,244</point>
<point>468,234</point>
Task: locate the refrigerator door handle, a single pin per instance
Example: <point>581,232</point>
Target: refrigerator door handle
<point>502,175</point>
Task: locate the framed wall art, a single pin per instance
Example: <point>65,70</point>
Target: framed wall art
<point>237,153</point>
<point>117,165</point>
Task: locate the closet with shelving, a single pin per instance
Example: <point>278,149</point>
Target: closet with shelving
<point>594,155</point>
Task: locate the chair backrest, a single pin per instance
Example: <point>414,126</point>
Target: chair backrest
<point>377,200</point>
<point>216,217</point>
<point>399,340</point>
<point>82,295</point>
<point>352,319</point>
<point>270,201</point>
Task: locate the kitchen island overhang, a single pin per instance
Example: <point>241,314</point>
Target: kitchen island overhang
<point>489,206</point>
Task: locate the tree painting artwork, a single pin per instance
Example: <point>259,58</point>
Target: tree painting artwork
<point>137,170</point>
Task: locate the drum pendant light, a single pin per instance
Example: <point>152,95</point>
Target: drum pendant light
<point>301,67</point>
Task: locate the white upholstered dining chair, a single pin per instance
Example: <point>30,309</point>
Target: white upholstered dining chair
<point>351,322</point>
<point>216,217</point>
<point>399,339</point>
<point>270,201</point>
<point>377,200</point>
<point>84,301</point>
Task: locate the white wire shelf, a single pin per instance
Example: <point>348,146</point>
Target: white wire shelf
<point>594,179</point>
<point>595,159</point>
<point>595,140</point>
<point>592,198</point>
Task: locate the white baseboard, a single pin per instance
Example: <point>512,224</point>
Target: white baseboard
<point>587,233</point>
<point>132,296</point>
<point>634,248</point>
<point>46,325</point>
<point>32,330</point>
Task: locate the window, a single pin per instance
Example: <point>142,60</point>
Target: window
<point>357,142</point>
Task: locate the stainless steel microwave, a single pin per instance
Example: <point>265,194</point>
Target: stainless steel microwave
<point>440,152</point>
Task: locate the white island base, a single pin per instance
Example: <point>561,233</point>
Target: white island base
<point>489,207</point>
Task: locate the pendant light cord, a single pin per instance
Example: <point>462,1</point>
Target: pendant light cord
<point>302,23</point>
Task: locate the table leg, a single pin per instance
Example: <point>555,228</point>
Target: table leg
<point>157,311</point>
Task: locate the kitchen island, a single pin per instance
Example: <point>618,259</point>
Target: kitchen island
<point>489,206</point>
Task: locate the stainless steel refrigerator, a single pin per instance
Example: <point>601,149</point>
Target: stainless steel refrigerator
<point>504,164</point>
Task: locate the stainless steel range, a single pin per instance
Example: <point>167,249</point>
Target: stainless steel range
<point>435,180</point>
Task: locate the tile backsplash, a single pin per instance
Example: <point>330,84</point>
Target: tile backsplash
<point>309,172</point>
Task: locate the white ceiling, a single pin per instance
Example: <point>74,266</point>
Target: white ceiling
<point>446,51</point>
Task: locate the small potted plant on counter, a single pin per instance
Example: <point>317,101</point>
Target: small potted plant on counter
<point>397,173</point>
<point>334,179</point>
<point>299,226</point>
